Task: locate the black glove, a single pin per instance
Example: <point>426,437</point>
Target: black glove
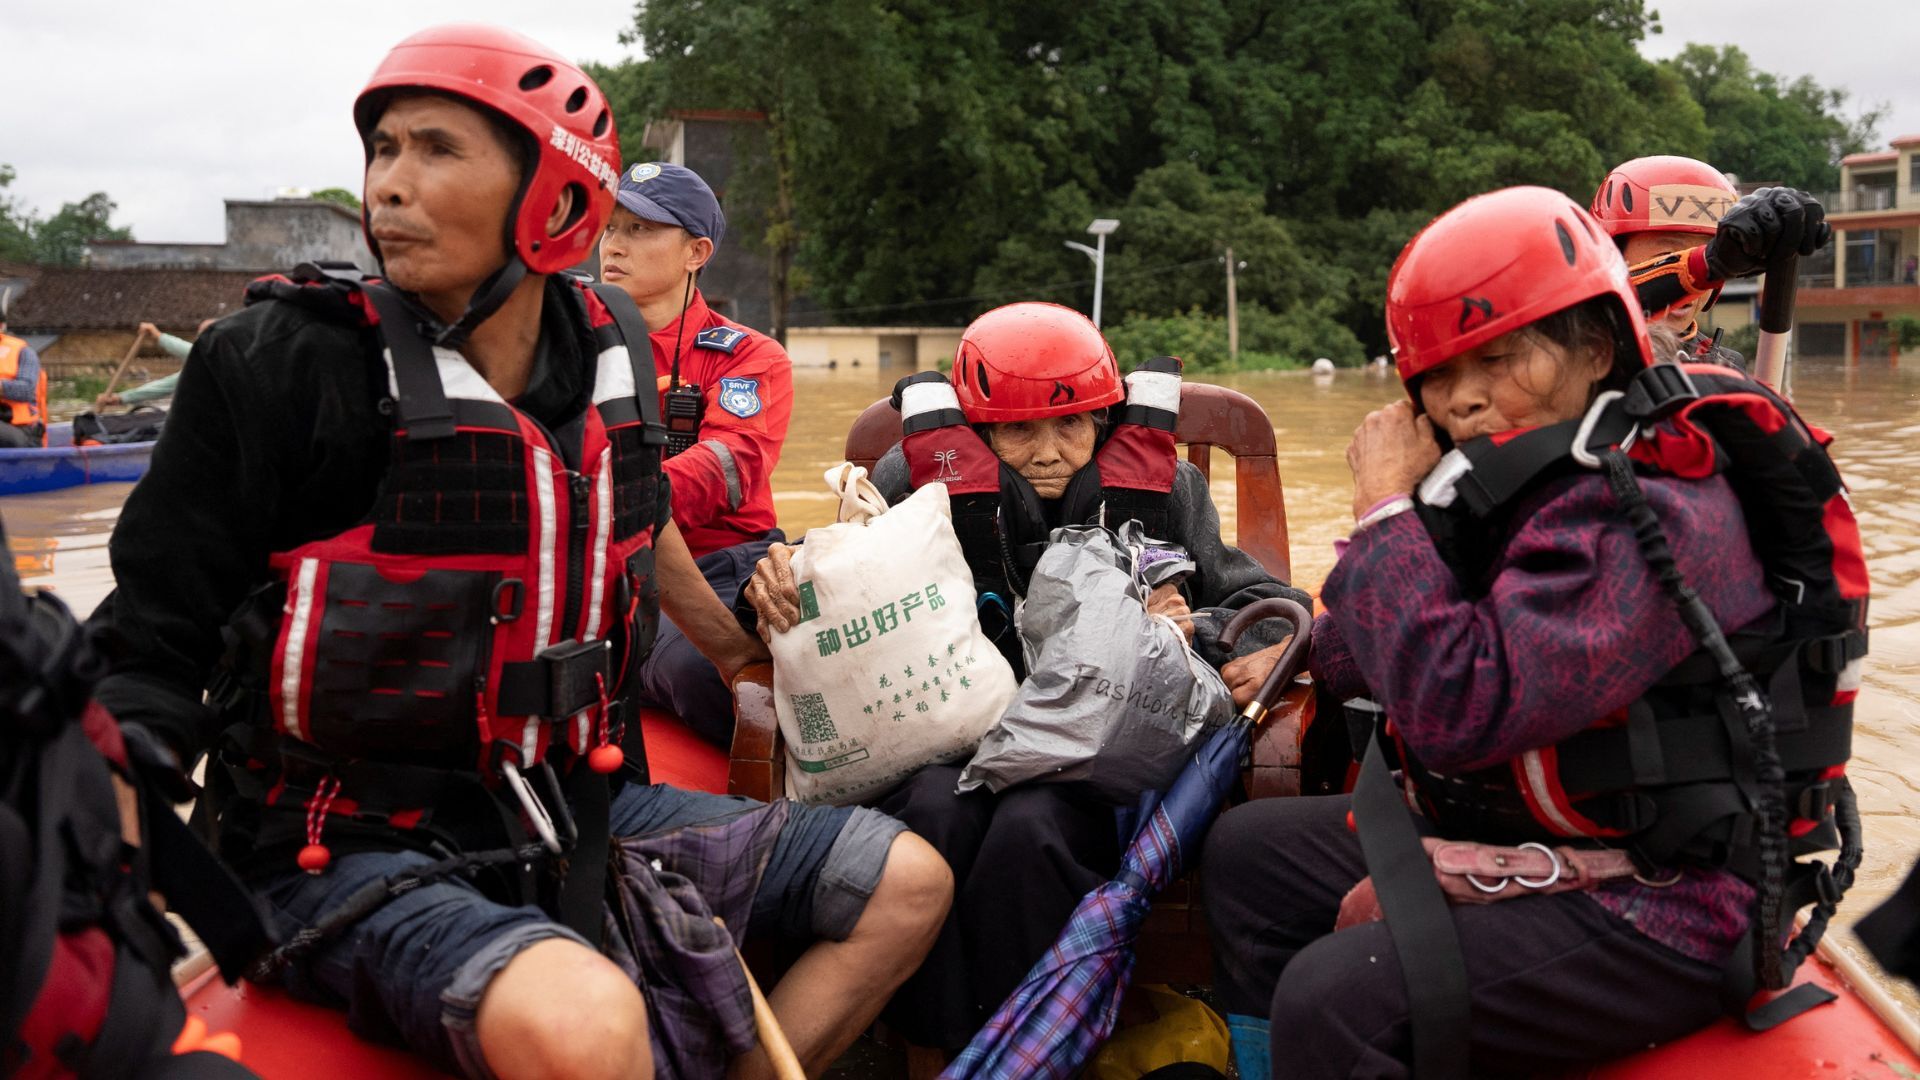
<point>1765,227</point>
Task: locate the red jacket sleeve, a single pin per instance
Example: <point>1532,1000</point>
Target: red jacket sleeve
<point>731,465</point>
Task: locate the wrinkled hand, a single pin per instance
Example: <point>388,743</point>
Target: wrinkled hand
<point>1391,451</point>
<point>1245,675</point>
<point>105,401</point>
<point>1765,227</point>
<point>772,591</point>
<point>1166,600</point>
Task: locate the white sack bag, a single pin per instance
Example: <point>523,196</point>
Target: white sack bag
<point>887,670</point>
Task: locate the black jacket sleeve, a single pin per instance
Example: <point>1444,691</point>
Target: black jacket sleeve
<point>234,477</point>
<point>1226,579</point>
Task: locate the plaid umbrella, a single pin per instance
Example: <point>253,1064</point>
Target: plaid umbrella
<point>1067,1005</point>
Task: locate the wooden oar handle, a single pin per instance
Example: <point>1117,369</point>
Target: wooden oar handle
<point>786,1064</point>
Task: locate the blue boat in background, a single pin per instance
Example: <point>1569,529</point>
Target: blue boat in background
<point>60,464</point>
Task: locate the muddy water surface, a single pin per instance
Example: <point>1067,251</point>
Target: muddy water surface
<point>59,540</point>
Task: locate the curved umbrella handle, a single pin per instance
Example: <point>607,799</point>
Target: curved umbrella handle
<point>1291,660</point>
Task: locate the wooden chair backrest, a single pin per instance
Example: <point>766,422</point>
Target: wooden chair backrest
<point>1210,416</point>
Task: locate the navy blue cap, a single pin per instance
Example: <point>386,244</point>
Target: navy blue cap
<point>673,194</point>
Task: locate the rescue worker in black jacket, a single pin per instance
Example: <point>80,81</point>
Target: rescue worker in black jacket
<point>411,533</point>
<point>1061,440</point>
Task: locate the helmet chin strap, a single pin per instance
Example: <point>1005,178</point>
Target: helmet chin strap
<point>487,299</point>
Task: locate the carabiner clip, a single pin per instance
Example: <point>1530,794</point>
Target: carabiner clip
<point>536,812</point>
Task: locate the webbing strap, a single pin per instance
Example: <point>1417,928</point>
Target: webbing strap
<point>633,329</point>
<point>581,898</point>
<point>229,918</point>
<point>1502,471</point>
<point>424,411</point>
<point>1424,938</point>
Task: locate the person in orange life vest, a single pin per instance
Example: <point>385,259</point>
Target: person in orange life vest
<point>726,394</point>
<point>23,391</point>
<point>423,518</point>
<point>1684,231</point>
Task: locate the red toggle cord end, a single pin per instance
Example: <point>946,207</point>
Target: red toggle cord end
<point>605,759</point>
<point>314,858</point>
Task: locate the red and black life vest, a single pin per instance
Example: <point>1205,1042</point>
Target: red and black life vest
<point>1736,758</point>
<point>997,516</point>
<point>486,615</point>
<point>1661,775</point>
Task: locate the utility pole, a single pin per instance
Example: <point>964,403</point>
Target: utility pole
<point>1233,312</point>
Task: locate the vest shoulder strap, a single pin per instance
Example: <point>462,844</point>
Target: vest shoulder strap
<point>633,328</point>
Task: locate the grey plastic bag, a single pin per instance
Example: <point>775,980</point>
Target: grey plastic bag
<point>1113,698</point>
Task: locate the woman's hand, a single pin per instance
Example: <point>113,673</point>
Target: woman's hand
<point>1166,600</point>
<point>1391,451</point>
<point>774,594</point>
<point>1245,675</point>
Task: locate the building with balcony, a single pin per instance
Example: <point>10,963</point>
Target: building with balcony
<point>1871,274</point>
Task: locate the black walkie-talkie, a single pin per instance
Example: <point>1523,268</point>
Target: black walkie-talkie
<point>686,406</point>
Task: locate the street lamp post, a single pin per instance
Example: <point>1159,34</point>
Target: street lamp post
<point>1099,230</point>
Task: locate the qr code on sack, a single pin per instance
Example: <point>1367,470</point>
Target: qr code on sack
<point>816,724</point>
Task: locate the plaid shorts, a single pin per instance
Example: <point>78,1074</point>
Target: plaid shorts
<point>414,971</point>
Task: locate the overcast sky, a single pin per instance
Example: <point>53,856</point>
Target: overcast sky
<point>170,106</point>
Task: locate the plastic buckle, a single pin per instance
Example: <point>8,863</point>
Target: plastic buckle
<point>575,672</point>
<point>1814,801</point>
<point>1660,391</point>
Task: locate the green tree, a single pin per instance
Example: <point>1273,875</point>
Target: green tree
<point>62,239</point>
<point>17,223</point>
<point>1763,127</point>
<point>825,74</point>
<point>338,195</point>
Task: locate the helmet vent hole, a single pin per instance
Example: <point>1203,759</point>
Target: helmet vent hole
<point>577,100</point>
<point>536,77</point>
<point>1609,193</point>
<point>980,376</point>
<point>576,209</point>
<point>1626,197</point>
<point>1566,242</point>
<point>600,123</point>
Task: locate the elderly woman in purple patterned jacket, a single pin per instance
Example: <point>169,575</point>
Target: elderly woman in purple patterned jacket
<point>1492,638</point>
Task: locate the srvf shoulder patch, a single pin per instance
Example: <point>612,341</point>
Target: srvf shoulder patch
<point>720,339</point>
<point>741,397</point>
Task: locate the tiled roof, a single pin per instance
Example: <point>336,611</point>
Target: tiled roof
<point>62,300</point>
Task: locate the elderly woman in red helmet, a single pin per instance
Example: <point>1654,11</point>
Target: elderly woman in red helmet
<point>1036,430</point>
<point>1684,231</point>
<point>1500,606</point>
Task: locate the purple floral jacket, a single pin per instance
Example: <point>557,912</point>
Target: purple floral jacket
<point>1572,628</point>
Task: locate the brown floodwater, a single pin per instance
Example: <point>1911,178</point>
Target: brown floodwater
<point>59,540</point>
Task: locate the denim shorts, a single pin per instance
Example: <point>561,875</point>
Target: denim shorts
<point>414,971</point>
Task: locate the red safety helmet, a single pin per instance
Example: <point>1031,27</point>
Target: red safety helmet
<point>1663,194</point>
<point>1492,265</point>
<point>1031,360</point>
<point>536,90</point>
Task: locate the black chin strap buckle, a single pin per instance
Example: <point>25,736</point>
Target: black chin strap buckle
<point>1659,392</point>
